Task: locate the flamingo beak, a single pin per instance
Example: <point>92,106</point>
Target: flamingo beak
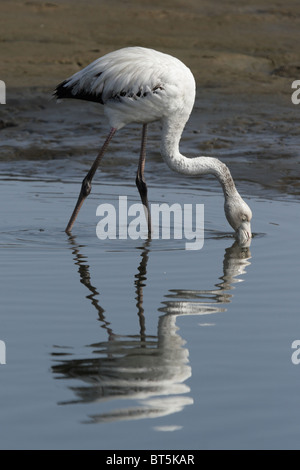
<point>243,233</point>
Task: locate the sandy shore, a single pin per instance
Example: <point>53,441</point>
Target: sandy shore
<point>244,55</point>
<point>233,45</point>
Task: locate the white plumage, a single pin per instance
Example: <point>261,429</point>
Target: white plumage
<point>135,85</point>
<point>139,85</point>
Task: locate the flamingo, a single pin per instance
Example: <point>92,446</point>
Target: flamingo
<point>141,85</point>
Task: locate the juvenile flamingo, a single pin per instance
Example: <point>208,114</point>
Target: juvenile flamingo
<point>140,85</point>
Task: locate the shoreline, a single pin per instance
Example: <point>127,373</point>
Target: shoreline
<point>229,47</point>
<point>244,70</point>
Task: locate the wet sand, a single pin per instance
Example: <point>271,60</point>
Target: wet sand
<point>232,46</point>
<point>244,56</point>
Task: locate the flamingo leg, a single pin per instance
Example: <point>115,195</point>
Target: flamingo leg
<point>140,180</point>
<point>87,182</point>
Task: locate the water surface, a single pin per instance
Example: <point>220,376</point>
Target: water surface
<point>122,344</point>
<point>128,344</point>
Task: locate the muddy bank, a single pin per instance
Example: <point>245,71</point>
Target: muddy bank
<point>244,56</point>
<point>235,46</point>
<point>45,140</point>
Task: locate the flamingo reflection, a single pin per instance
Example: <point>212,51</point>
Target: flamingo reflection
<point>151,369</point>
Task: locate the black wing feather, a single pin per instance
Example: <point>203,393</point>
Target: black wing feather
<point>63,90</point>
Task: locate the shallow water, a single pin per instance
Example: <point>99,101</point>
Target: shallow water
<point>124,344</point>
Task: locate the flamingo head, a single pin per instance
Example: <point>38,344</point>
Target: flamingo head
<point>239,216</point>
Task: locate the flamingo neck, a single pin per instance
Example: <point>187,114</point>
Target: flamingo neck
<point>171,134</point>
